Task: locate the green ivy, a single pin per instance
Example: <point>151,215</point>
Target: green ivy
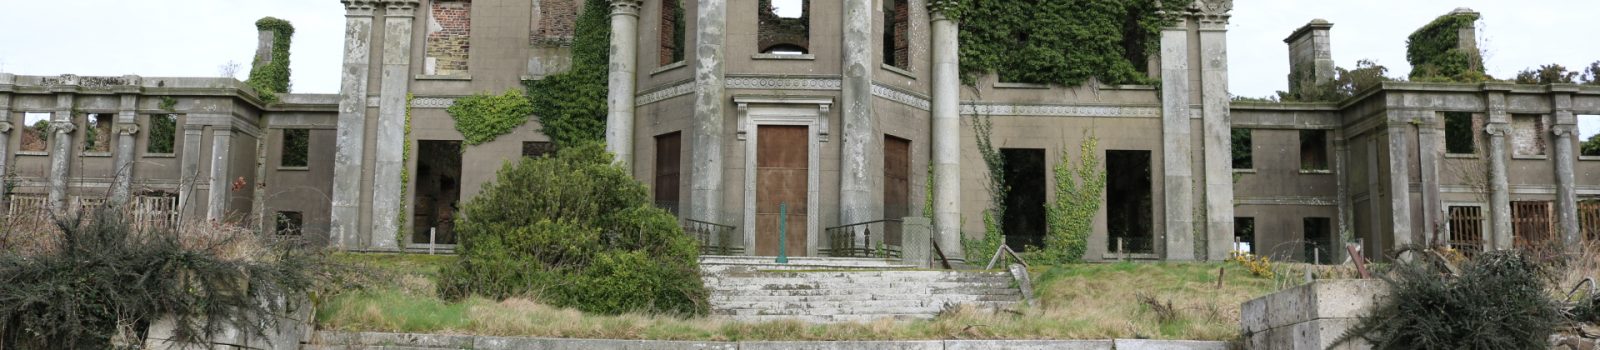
<point>483,117</point>
<point>168,104</point>
<point>571,106</point>
<point>1436,55</point>
<point>978,251</point>
<point>1063,42</point>
<point>995,163</point>
<point>273,78</point>
<point>1071,216</point>
<point>405,179</point>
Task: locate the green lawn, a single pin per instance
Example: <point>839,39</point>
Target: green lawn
<point>1083,301</point>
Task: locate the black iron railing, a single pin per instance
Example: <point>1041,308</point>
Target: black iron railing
<point>843,242</point>
<point>713,237</point>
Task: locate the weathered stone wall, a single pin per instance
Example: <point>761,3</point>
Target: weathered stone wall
<point>1309,316</point>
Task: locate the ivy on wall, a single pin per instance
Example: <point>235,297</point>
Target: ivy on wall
<point>571,106</point>
<point>1063,42</point>
<point>405,179</point>
<point>483,117</point>
<point>993,235</point>
<point>273,77</point>
<point>1071,215</point>
<point>1436,54</point>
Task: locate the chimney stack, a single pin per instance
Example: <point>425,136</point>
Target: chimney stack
<point>264,40</point>
<point>1310,55</point>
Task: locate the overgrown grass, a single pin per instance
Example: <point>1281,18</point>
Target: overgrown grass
<point>1080,301</point>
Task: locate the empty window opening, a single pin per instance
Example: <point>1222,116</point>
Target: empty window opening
<point>289,223</point>
<point>1244,235</point>
<point>438,184</point>
<point>554,22</point>
<point>896,26</point>
<point>97,132</point>
<point>1313,150</point>
<point>536,149</point>
<point>35,132</point>
<point>162,136</point>
<point>1460,133</point>
<point>1243,153</point>
<point>784,27</point>
<point>1318,241</point>
<point>1023,222</point>
<point>896,186</point>
<point>1528,135</point>
<point>1589,135</point>
<point>1466,228</point>
<point>672,31</point>
<point>1589,218</point>
<point>1532,224</point>
<point>296,148</point>
<point>449,37</point>
<point>1130,222</point>
<point>668,170</point>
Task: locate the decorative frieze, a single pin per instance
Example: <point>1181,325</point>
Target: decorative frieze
<point>432,102</point>
<point>1062,110</point>
<point>662,94</point>
<point>783,83</point>
<point>901,97</point>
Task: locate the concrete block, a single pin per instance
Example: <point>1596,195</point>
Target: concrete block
<point>1342,298</point>
<point>841,345</point>
<point>1145,344</point>
<point>1320,334</point>
<point>1279,338</point>
<point>1287,307</point>
<point>1027,345</point>
<point>916,247</point>
<point>1253,315</point>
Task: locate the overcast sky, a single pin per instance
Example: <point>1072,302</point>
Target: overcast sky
<point>195,37</point>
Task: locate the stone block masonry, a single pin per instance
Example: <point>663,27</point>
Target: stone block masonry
<point>556,20</point>
<point>449,34</point>
<point>328,340</point>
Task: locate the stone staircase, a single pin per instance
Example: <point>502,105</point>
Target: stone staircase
<point>825,290</point>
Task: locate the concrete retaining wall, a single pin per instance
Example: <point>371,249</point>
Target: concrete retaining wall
<point>1309,316</point>
<point>403,341</point>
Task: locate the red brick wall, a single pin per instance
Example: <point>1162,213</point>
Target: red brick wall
<point>898,28</point>
<point>449,36</point>
<point>773,30</point>
<point>670,10</point>
<point>557,19</point>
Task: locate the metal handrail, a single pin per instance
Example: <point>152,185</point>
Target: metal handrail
<point>705,231</point>
<point>842,242</point>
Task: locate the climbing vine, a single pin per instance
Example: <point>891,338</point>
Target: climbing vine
<point>272,78</point>
<point>1071,216</point>
<point>405,178</point>
<point>993,235</point>
<point>483,117</point>
<point>1436,54</point>
<point>1063,42</point>
<point>571,106</point>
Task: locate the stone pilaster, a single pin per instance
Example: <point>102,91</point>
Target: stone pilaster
<point>706,187</point>
<point>189,170</point>
<point>862,146</point>
<point>946,120</point>
<point>1565,132</point>
<point>1499,189</point>
<point>61,153</point>
<point>1177,163</point>
<point>1217,130</point>
<point>5,129</point>
<point>348,156</point>
<point>386,185</point>
<point>122,181</point>
<point>1428,137</point>
<point>1341,173</point>
<point>620,82</point>
<point>220,181</point>
<point>1399,180</point>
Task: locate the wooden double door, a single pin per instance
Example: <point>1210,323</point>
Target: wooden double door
<point>783,177</point>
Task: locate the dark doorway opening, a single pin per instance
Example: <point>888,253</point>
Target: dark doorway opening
<point>1130,223</point>
<point>1023,222</point>
<point>896,186</point>
<point>1244,235</point>
<point>438,189</point>
<point>1319,241</point>
<point>667,157</point>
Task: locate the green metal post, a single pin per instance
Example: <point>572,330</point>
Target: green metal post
<point>783,232</point>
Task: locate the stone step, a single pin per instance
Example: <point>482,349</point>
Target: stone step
<point>862,297</point>
<point>936,287</point>
<point>875,310</point>
<point>799,261</point>
<point>865,277</point>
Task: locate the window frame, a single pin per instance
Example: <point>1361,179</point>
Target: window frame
<point>283,149</point>
<point>147,128</point>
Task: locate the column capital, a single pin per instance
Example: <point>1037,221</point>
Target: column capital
<point>946,8</point>
<point>359,7</point>
<point>1211,14</point>
<point>61,127</point>
<point>625,7</point>
<point>1563,130</point>
<point>400,8</point>
<point>1496,129</point>
<point>127,129</point>
<point>5,127</point>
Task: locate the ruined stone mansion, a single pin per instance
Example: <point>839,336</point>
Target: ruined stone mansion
<point>842,115</point>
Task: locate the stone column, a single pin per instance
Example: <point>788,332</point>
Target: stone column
<point>1341,173</point>
<point>5,128</point>
<point>1499,188</point>
<point>705,188</point>
<point>61,128</point>
<point>221,180</point>
<point>1217,133</point>
<point>1399,179</point>
<point>348,156</point>
<point>1428,152</point>
<point>862,146</point>
<point>620,83</point>
<point>386,185</point>
<point>946,119</point>
<point>1565,131</point>
<point>122,182</point>
<point>1177,164</point>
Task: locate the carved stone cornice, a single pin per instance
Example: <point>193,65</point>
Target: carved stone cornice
<point>127,129</point>
<point>62,127</point>
<point>945,7</point>
<point>626,7</point>
<point>1211,13</point>
<point>359,7</point>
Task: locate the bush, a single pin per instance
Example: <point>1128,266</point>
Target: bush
<point>575,231</point>
<point>98,279</point>
<point>1497,302</point>
<point>1071,216</point>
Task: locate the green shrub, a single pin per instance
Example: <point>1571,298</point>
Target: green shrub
<point>98,278</point>
<point>1497,302</point>
<point>575,231</point>
<point>483,117</point>
<point>1071,215</point>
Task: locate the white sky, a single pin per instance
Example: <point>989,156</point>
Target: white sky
<point>195,37</point>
